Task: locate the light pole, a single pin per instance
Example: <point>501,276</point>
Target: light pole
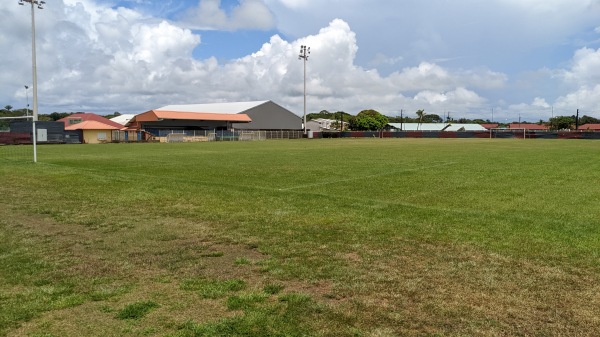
<point>304,52</point>
<point>40,5</point>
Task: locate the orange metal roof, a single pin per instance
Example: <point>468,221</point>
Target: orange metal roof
<point>90,125</point>
<point>155,115</point>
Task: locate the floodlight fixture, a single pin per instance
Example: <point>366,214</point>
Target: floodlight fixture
<point>304,54</point>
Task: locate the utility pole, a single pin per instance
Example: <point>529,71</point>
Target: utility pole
<point>577,121</point>
<point>401,119</point>
<point>304,53</point>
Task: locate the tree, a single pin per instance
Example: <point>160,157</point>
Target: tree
<point>58,115</point>
<point>8,107</point>
<point>368,120</point>
<point>561,122</point>
<point>115,114</point>
<point>420,115</point>
<point>432,118</point>
<point>588,120</point>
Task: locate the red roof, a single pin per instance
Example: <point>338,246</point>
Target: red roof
<point>528,126</point>
<point>91,125</point>
<point>156,115</point>
<point>83,117</point>
<point>490,125</point>
<point>589,127</point>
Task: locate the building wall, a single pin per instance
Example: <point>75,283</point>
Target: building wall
<point>270,116</point>
<point>55,130</point>
<point>155,127</point>
<point>94,136</point>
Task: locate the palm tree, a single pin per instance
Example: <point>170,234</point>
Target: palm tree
<point>421,115</point>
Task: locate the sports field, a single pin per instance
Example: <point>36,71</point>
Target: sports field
<point>344,237</point>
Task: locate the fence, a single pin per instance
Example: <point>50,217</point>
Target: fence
<point>461,134</point>
<point>180,136</point>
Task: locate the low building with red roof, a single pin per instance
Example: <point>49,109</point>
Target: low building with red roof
<point>589,127</point>
<point>490,125</point>
<point>94,129</point>
<point>529,126</point>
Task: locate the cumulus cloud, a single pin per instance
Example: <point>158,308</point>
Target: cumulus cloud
<point>94,57</point>
<point>585,69</point>
<point>209,15</point>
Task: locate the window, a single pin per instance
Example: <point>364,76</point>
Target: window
<point>101,135</point>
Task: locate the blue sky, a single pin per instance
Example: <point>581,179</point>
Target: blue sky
<point>467,57</point>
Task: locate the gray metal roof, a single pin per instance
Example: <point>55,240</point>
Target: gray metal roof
<point>224,108</point>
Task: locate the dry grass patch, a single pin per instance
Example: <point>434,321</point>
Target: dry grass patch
<point>437,288</point>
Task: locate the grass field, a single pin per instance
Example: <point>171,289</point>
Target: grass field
<point>365,237</point>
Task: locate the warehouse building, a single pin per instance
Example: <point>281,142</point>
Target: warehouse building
<point>256,115</point>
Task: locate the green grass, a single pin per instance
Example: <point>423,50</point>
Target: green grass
<point>368,237</point>
<point>136,310</point>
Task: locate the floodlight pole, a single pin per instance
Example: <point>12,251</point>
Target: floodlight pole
<point>304,53</point>
<point>40,5</point>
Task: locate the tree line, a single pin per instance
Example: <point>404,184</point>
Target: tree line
<point>366,120</point>
<point>8,111</point>
<point>372,120</point>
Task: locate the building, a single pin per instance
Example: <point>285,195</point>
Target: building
<point>93,132</point>
<point>529,126</point>
<point>92,128</point>
<point>490,125</point>
<point>160,123</point>
<point>326,124</point>
<point>83,117</point>
<point>123,119</point>
<point>263,115</point>
<point>589,127</point>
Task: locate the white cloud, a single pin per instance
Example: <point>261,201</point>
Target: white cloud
<point>97,58</point>
<point>585,69</point>
<point>540,102</point>
<point>585,98</point>
<point>249,14</point>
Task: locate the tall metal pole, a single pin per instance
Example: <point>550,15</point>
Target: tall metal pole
<point>39,5</point>
<point>304,118</point>
<point>34,63</point>
<point>304,52</point>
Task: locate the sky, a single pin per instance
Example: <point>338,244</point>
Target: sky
<point>496,59</point>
